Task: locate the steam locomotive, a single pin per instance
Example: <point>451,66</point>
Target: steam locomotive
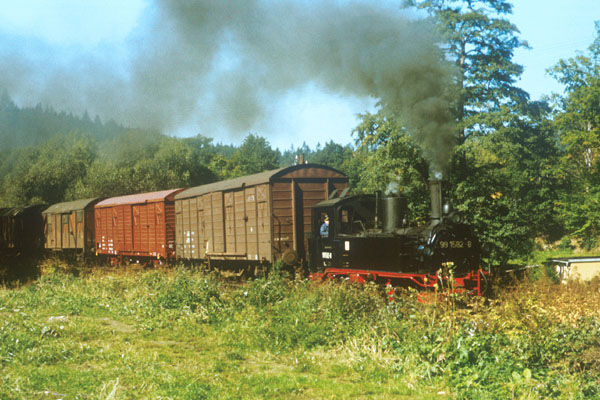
<point>368,237</point>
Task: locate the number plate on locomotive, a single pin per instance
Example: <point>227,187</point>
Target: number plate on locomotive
<point>456,244</point>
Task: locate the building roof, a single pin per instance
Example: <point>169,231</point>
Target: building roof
<point>69,206</point>
<point>569,260</point>
<point>141,198</point>
<point>295,171</point>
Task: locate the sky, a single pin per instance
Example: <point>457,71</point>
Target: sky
<point>86,37</point>
<point>554,29</point>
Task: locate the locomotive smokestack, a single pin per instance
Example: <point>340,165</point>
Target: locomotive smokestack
<point>394,210</point>
<point>435,190</point>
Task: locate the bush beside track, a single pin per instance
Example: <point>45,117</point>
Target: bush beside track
<point>97,333</point>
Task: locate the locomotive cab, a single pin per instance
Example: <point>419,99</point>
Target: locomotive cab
<point>355,237</point>
<point>332,219</point>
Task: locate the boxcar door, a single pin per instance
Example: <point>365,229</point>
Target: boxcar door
<point>72,231</point>
<point>229,223</point>
<point>79,231</point>
<point>49,231</point>
<point>298,215</point>
<point>263,224</point>
<point>207,230</point>
<point>197,228</point>
<point>57,230</point>
<point>65,230</point>
<point>251,223</point>
<point>136,228</point>
<point>157,234</point>
<point>240,218</point>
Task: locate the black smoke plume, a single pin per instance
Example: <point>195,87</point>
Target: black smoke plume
<point>222,64</point>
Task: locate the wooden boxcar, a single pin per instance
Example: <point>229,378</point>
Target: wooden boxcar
<point>22,229</point>
<point>70,226</point>
<point>253,219</point>
<point>139,226</point>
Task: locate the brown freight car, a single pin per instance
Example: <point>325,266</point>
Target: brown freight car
<point>70,226</point>
<point>22,229</point>
<point>139,226</point>
<point>253,219</point>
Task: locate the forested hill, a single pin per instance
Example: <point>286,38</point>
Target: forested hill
<point>49,157</point>
<point>22,127</point>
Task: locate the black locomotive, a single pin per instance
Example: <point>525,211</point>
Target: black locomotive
<point>369,236</point>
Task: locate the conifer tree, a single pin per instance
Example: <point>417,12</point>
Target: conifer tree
<point>481,41</point>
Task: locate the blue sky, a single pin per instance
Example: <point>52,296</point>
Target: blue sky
<point>555,29</point>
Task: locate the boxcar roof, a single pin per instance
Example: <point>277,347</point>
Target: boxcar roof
<point>151,197</point>
<point>338,201</point>
<point>22,210</point>
<point>295,171</point>
<point>69,206</point>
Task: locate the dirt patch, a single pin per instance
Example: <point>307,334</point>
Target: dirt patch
<point>116,326</point>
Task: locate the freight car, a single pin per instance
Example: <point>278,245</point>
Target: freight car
<point>254,219</point>
<point>21,230</point>
<point>368,237</point>
<point>69,227</point>
<point>138,227</point>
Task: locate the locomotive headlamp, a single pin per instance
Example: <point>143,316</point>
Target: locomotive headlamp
<point>486,248</point>
<point>456,217</point>
<point>447,209</point>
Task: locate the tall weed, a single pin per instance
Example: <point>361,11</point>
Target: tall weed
<point>534,339</point>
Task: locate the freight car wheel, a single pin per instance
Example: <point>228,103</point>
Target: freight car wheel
<point>260,270</point>
<point>290,257</point>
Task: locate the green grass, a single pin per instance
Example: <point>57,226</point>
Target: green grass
<point>187,334</point>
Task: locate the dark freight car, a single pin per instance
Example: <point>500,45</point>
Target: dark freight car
<point>257,218</point>
<point>70,226</point>
<point>139,226</point>
<point>22,229</point>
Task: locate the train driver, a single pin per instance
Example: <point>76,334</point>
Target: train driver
<point>325,226</point>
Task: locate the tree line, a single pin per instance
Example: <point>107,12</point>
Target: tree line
<point>523,171</point>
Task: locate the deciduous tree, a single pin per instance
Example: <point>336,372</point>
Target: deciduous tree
<point>481,41</point>
<point>333,155</point>
<point>45,173</point>
<point>578,121</point>
<point>253,156</point>
<point>387,159</point>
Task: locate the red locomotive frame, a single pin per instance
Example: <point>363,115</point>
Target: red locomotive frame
<point>471,282</point>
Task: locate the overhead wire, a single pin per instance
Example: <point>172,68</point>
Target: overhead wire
<point>572,45</point>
